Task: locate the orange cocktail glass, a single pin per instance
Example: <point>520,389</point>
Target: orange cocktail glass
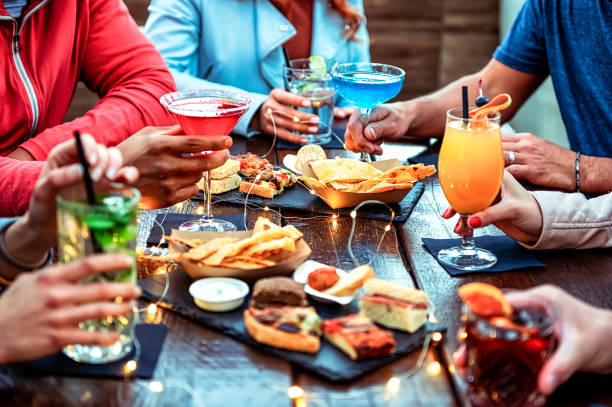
<point>470,169</point>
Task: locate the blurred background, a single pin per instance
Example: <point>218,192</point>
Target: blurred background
<point>435,42</point>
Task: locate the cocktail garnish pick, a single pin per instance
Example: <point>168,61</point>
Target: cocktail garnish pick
<point>91,197</point>
<point>481,100</point>
<point>499,102</point>
<point>466,105</point>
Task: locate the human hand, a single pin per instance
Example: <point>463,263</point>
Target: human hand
<point>581,332</point>
<point>62,169</point>
<point>388,122</point>
<point>166,177</point>
<point>539,161</point>
<point>40,311</point>
<point>278,105</point>
<point>342,113</point>
<point>517,213</point>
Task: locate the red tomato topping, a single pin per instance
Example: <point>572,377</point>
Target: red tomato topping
<point>323,278</point>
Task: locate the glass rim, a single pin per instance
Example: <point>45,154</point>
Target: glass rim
<point>82,206</point>
<point>348,65</point>
<point>242,97</point>
<point>304,70</point>
<point>452,114</point>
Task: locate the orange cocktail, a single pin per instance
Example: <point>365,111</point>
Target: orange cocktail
<point>470,168</point>
<point>471,163</point>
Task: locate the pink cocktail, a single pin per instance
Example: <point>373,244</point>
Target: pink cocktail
<point>208,112</point>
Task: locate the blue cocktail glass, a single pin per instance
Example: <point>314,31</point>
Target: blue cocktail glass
<point>367,85</point>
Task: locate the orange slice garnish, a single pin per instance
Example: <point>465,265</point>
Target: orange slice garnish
<point>499,102</point>
<point>485,300</point>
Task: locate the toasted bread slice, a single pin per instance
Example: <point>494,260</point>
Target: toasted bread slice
<point>259,190</point>
<point>268,335</point>
<point>383,287</point>
<point>351,281</point>
<point>230,167</point>
<point>394,316</point>
<point>219,186</point>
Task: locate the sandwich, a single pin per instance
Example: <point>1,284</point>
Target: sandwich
<point>358,337</point>
<point>269,187</point>
<point>224,178</point>
<point>351,281</point>
<point>279,316</point>
<point>394,306</point>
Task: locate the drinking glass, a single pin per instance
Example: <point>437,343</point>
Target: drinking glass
<point>504,356</point>
<point>110,227</point>
<point>470,169</point>
<point>207,112</point>
<point>367,85</point>
<point>315,85</point>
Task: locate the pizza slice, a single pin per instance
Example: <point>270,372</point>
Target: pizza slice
<point>358,337</point>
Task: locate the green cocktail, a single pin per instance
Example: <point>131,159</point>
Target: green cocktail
<point>109,227</point>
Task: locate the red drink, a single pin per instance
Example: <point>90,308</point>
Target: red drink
<point>208,116</point>
<point>504,357</point>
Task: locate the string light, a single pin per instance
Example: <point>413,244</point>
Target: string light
<point>393,385</point>
<point>266,208</point>
<point>463,335</point>
<point>200,210</point>
<point>130,367</point>
<point>436,337</point>
<point>294,392</point>
<point>434,368</point>
<point>156,387</point>
<point>353,214</point>
<point>387,228</point>
<point>152,310</point>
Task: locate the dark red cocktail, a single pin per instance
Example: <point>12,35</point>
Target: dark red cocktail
<point>504,356</point>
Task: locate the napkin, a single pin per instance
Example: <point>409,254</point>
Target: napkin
<point>150,337</point>
<point>173,220</point>
<point>431,159</point>
<point>335,143</point>
<point>510,255</point>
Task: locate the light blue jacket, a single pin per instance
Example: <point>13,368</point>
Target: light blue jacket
<point>237,43</point>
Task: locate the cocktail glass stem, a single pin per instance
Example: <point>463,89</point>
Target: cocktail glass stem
<point>467,241</point>
<point>365,118</point>
<point>207,196</point>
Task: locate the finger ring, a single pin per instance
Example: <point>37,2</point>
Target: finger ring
<point>511,157</point>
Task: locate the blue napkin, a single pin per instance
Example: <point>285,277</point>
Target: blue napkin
<point>174,219</point>
<point>150,337</point>
<point>335,143</point>
<point>510,255</point>
<point>431,159</point>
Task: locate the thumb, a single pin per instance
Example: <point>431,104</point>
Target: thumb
<point>564,362</point>
<point>376,127</point>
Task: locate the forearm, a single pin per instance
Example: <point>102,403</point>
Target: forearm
<point>26,244</point>
<point>17,181</point>
<point>595,175</point>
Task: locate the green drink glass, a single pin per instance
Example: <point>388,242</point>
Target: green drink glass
<point>109,226</point>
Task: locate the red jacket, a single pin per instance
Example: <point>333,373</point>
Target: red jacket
<point>43,55</point>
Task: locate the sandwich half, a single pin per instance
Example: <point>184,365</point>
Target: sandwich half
<point>394,306</point>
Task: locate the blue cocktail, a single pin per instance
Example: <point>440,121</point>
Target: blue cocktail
<point>367,85</point>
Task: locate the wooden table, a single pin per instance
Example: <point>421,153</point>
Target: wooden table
<point>222,372</point>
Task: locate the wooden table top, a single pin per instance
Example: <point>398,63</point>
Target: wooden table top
<point>198,366</point>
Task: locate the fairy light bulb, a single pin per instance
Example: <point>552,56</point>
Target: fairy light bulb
<point>463,335</point>
<point>156,387</point>
<point>434,368</point>
<point>393,385</point>
<point>353,214</point>
<point>436,337</point>
<point>266,208</point>
<point>200,210</point>
<point>130,366</point>
<point>387,228</point>
<point>295,392</point>
<point>152,311</point>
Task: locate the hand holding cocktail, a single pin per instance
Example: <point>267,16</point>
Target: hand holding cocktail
<point>581,332</point>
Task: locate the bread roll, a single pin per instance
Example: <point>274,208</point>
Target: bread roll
<point>351,281</point>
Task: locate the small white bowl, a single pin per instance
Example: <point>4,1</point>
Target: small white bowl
<point>289,162</point>
<point>218,294</point>
<point>301,276</point>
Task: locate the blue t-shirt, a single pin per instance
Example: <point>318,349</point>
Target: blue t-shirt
<point>572,41</point>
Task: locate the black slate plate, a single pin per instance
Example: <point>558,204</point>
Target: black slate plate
<point>330,362</point>
<point>300,199</point>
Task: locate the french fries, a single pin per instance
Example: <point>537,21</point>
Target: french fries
<point>268,244</point>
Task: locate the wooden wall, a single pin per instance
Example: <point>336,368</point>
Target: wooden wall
<point>434,41</point>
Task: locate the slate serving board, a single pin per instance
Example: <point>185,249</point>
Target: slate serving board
<point>330,362</point>
<point>300,199</point>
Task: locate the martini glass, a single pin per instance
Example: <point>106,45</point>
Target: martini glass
<point>367,85</point>
<point>207,112</point>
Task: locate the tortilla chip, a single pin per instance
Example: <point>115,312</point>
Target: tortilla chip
<point>286,243</point>
<point>312,183</point>
<point>262,224</point>
<point>201,252</point>
<point>242,265</point>
<point>252,260</point>
<point>292,232</point>
<point>409,173</point>
<point>343,169</point>
<point>188,243</point>
<point>342,186</point>
<point>381,187</point>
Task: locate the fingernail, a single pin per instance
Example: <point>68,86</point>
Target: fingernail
<point>373,133</point>
<point>475,222</point>
<point>306,103</point>
<point>446,213</point>
<point>93,158</point>
<point>313,129</point>
<point>228,142</point>
<point>74,172</point>
<point>110,173</point>
<point>137,291</point>
<point>96,174</point>
<point>131,174</point>
<point>304,140</point>
<point>315,119</point>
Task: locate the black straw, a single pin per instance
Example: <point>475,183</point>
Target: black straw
<point>466,103</point>
<point>91,197</point>
<point>287,59</point>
